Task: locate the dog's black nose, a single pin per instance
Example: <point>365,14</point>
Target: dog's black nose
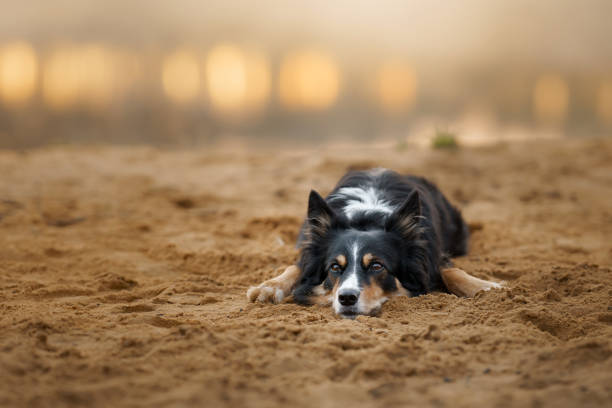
<point>348,298</point>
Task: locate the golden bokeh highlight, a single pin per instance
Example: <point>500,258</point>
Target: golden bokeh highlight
<point>237,81</point>
<point>18,73</point>
<point>308,80</point>
<point>61,79</point>
<point>99,76</point>
<point>604,101</point>
<point>181,76</point>
<point>396,87</point>
<point>79,76</point>
<point>551,98</point>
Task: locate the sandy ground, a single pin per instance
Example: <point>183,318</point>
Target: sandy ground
<point>123,274</point>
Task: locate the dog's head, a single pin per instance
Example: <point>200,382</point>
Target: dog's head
<point>362,262</point>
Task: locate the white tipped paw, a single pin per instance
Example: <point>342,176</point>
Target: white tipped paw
<point>274,290</point>
<point>266,292</point>
<point>495,285</point>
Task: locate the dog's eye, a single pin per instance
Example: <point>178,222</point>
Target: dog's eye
<point>377,266</point>
<point>335,268</point>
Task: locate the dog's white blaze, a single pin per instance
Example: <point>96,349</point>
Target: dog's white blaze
<point>362,199</point>
<point>351,282</point>
<point>355,250</point>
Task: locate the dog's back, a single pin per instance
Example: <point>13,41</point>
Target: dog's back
<point>367,198</point>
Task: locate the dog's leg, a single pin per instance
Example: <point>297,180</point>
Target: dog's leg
<point>275,289</point>
<point>461,283</point>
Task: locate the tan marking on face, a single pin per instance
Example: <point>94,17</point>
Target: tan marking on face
<point>336,283</point>
<point>341,259</point>
<point>367,258</point>
<point>400,291</point>
<point>372,297</point>
<point>320,296</point>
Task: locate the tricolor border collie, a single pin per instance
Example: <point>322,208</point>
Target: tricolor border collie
<point>377,234</point>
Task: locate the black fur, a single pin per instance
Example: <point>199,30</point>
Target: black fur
<point>418,237</point>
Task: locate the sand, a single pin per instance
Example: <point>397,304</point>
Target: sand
<point>123,273</point>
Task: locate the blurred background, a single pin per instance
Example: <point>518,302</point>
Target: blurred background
<point>189,73</point>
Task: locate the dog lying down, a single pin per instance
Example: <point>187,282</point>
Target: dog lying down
<point>377,234</point>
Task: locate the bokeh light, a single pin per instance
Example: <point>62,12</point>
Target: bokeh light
<point>181,76</point>
<point>18,73</point>
<point>98,75</point>
<point>551,98</point>
<point>604,101</point>
<point>237,82</point>
<point>61,79</point>
<point>396,87</point>
<point>79,75</point>
<point>309,80</point>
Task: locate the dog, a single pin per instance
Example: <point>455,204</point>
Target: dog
<point>378,234</point>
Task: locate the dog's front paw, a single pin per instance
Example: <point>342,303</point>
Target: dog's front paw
<point>269,291</point>
<point>275,290</point>
<point>495,285</point>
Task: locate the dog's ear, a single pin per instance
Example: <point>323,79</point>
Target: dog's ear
<point>319,213</point>
<point>412,206</point>
<point>405,217</point>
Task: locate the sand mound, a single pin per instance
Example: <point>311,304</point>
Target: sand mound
<point>123,274</point>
